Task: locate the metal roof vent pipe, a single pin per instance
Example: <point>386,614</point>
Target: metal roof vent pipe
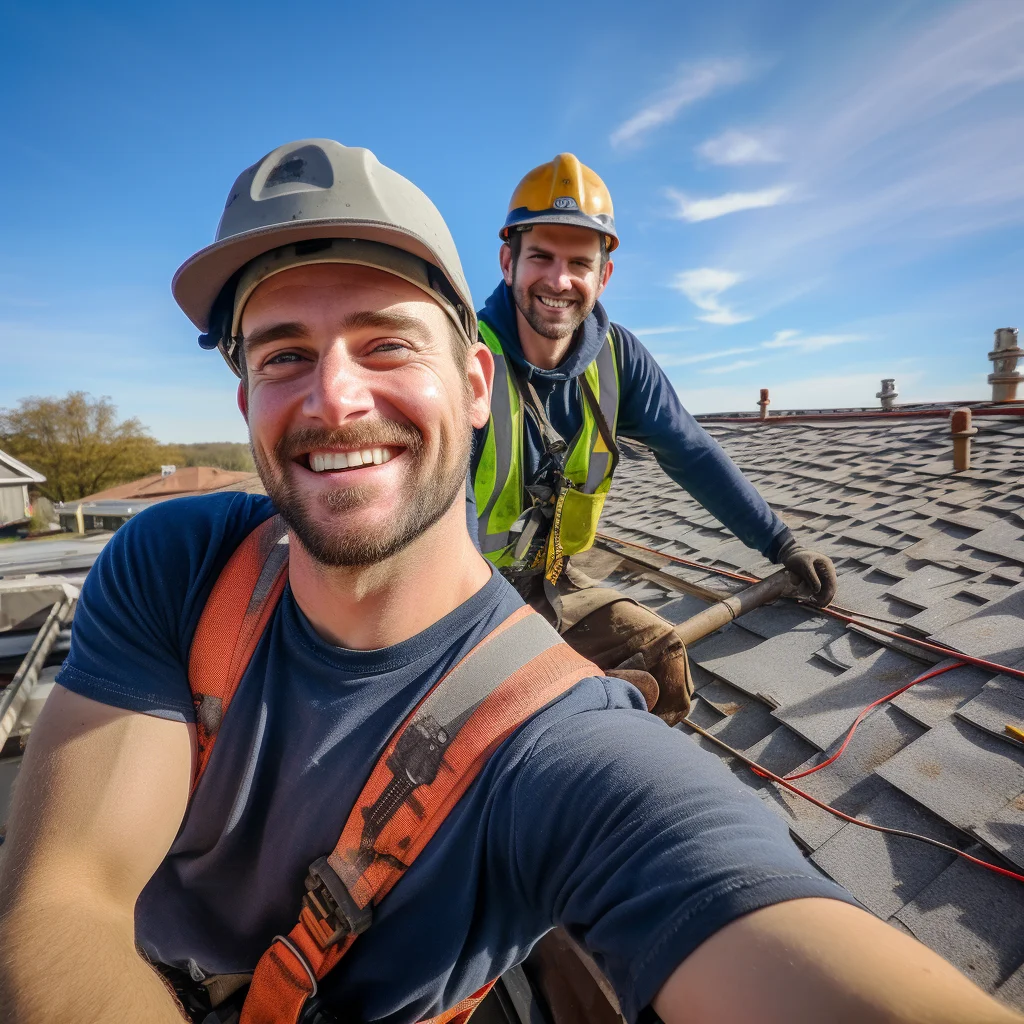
<point>1004,356</point>
<point>961,431</point>
<point>888,394</point>
<point>764,402</point>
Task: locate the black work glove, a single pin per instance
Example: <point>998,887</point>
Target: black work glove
<point>811,568</point>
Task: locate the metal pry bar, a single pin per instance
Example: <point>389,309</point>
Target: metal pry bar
<point>779,584</point>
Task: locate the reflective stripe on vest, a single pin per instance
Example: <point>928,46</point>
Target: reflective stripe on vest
<point>498,483</point>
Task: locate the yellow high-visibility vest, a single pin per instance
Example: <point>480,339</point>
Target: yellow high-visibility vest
<point>498,484</point>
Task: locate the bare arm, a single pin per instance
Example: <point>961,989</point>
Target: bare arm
<point>98,802</point>
<point>816,960</point>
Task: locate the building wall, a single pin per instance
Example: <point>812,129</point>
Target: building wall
<point>13,503</point>
<point>69,522</point>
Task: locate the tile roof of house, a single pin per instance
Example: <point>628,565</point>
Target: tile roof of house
<point>187,480</point>
<point>250,483</point>
<point>934,554</point>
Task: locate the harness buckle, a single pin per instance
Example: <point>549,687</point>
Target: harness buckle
<point>336,915</point>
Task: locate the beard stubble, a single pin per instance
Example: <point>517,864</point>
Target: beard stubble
<point>428,492</point>
<point>524,300</point>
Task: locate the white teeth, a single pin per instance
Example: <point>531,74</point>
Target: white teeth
<point>319,462</point>
<point>556,303</point>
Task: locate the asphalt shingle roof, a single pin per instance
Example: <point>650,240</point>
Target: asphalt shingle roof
<point>938,555</point>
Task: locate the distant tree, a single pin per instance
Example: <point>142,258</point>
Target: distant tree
<point>231,455</point>
<point>79,444</point>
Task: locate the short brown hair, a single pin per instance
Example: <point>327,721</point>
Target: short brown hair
<point>515,243</point>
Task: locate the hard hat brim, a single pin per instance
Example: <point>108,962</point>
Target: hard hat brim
<point>199,280</point>
<point>569,218</point>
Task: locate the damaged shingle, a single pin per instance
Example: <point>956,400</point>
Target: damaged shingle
<point>958,771</point>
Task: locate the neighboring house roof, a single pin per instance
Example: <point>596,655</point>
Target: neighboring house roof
<point>187,480</point>
<point>250,483</point>
<point>936,555</point>
<point>14,472</point>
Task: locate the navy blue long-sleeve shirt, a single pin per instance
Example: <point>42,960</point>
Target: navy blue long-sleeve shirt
<point>649,412</point>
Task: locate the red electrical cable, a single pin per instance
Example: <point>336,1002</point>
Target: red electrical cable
<point>682,561</point>
<point>765,773</point>
<point>786,782</point>
<point>926,645</point>
<point>860,718</point>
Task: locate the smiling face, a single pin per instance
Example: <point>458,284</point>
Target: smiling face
<point>556,277</point>
<point>360,412</point>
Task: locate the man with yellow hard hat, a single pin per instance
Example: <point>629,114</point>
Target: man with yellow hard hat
<point>567,383</point>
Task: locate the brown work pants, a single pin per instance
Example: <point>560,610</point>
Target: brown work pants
<point>621,637</point>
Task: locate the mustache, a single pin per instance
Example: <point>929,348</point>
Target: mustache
<point>361,434</point>
<point>572,296</point>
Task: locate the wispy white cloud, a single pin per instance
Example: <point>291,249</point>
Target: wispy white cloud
<point>694,210</point>
<point>671,359</point>
<point>646,332</point>
<point>809,343</point>
<point>733,148</point>
<point>926,147</point>
<point>738,364</point>
<point>694,82</point>
<point>973,49</point>
<point>703,287</point>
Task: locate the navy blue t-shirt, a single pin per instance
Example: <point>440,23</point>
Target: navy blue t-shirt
<point>594,815</point>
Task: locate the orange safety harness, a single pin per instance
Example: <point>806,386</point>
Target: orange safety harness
<point>426,766</point>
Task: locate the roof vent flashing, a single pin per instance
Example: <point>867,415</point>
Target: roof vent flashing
<point>1005,376</point>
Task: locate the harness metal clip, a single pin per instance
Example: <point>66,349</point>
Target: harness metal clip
<point>332,907</point>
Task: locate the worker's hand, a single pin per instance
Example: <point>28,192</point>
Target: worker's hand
<point>811,568</point>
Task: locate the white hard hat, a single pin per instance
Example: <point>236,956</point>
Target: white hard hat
<point>310,191</point>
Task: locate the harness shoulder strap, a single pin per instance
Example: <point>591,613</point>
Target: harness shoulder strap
<point>230,626</point>
<point>430,762</point>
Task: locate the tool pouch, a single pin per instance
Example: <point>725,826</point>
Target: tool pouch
<point>580,514</point>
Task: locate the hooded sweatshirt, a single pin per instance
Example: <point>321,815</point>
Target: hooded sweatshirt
<point>649,412</point>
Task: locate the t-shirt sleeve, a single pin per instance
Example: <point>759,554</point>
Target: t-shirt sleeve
<point>642,845</point>
<point>142,599</point>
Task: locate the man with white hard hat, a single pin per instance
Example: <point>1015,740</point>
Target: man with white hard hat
<point>311,758</point>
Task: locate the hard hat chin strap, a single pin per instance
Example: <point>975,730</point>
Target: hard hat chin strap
<point>219,334</point>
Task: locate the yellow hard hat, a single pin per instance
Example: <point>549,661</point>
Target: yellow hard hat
<point>563,191</point>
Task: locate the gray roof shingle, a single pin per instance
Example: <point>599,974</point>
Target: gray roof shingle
<point>936,555</point>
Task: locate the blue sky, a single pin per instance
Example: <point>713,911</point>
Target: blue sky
<point>811,195</point>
